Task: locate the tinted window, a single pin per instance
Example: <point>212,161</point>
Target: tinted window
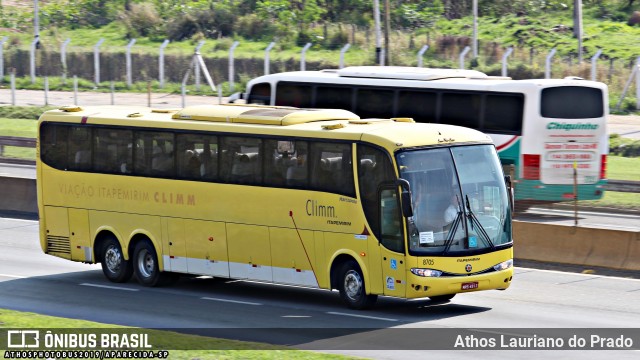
<point>461,109</point>
<point>330,97</point>
<point>154,155</point>
<point>286,163</point>
<point>419,105</point>
<point>53,145</point>
<point>571,102</point>
<point>79,148</point>
<point>503,113</point>
<point>197,156</point>
<point>374,169</point>
<point>331,169</point>
<point>260,94</point>
<point>291,94</point>
<point>374,103</point>
<point>240,160</point>
<point>113,151</point>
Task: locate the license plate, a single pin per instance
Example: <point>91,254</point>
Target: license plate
<point>469,285</point>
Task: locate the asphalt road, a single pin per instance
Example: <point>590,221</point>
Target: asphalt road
<point>317,319</point>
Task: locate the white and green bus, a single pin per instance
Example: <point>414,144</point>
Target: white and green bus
<point>541,127</point>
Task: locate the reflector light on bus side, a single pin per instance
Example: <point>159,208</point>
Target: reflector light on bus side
<point>531,168</point>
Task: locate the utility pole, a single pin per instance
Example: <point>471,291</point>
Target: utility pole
<point>376,17</point>
<point>577,26</point>
<point>36,24</point>
<point>475,29</point>
<point>387,25</point>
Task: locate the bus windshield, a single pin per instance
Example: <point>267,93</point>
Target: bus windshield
<point>459,197</point>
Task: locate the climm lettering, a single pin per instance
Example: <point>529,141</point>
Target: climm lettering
<point>315,209</point>
<point>177,199</point>
<point>569,127</point>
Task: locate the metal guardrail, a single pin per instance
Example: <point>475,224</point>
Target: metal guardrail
<point>612,185</point>
<point>19,142</point>
<point>623,186</point>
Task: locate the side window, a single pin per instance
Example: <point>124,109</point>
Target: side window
<point>503,113</point>
<point>53,145</point>
<point>79,148</point>
<point>241,161</point>
<point>197,157</point>
<point>374,169</point>
<point>331,169</point>
<point>419,105</point>
<point>333,97</point>
<point>390,220</point>
<point>114,151</point>
<point>292,94</point>
<point>461,109</point>
<point>154,154</point>
<point>286,163</point>
<point>260,94</point>
<point>374,103</point>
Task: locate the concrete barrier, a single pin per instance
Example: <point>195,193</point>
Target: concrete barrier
<point>18,195</point>
<point>565,244</point>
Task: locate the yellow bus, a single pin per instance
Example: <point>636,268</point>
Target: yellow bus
<point>315,198</point>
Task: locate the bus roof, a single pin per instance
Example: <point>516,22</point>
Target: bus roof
<point>392,134</point>
<point>408,76</point>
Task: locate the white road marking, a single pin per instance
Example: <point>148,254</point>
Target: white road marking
<point>361,316</point>
<point>108,287</point>
<point>230,301</point>
<point>13,276</point>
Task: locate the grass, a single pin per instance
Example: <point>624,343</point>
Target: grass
<point>615,199</point>
<point>20,128</point>
<point>168,340</point>
<point>623,168</point>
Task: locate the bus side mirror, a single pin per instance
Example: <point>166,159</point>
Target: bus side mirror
<point>234,97</point>
<point>405,198</point>
<point>507,181</point>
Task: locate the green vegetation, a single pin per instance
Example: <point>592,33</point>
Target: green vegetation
<point>614,199</point>
<point>623,168</point>
<point>169,340</point>
<point>531,27</point>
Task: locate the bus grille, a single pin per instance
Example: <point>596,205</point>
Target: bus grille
<point>58,244</point>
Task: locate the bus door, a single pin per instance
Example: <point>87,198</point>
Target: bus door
<point>392,243</point>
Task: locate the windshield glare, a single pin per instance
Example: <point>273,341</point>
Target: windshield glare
<point>459,199</point>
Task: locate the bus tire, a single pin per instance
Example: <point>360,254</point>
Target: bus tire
<point>441,298</point>
<point>352,288</point>
<point>114,265</point>
<point>145,264</point>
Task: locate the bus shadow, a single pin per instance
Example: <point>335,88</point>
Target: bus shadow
<point>86,295</point>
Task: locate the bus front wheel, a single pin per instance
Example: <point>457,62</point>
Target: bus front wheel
<point>114,265</point>
<point>351,286</point>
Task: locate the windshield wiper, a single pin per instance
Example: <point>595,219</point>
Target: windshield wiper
<point>476,222</point>
<point>454,228</point>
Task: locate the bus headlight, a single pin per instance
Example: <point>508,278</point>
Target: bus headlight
<point>504,265</point>
<point>426,272</point>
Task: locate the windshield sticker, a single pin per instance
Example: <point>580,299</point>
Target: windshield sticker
<point>426,237</point>
<point>473,241</point>
<point>394,264</point>
<point>391,283</point>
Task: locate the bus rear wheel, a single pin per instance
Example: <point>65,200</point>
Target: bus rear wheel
<point>114,265</point>
<point>146,269</point>
<point>145,264</point>
<point>352,289</point>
